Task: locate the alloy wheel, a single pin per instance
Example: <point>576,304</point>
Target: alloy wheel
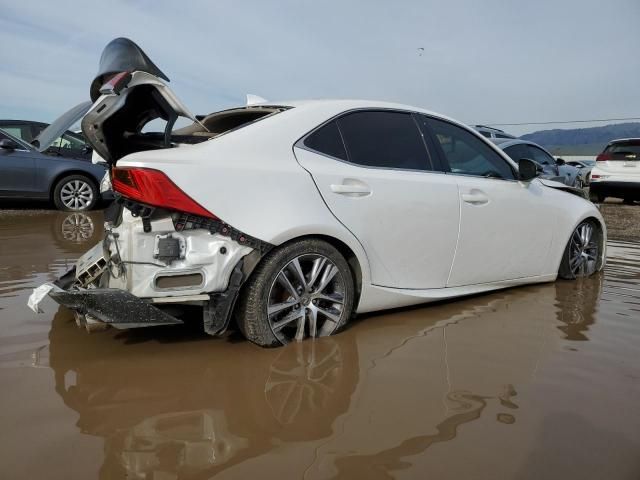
<point>77,228</point>
<point>306,299</point>
<point>584,250</point>
<point>76,195</point>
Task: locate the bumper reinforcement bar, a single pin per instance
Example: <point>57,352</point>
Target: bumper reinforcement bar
<point>118,308</point>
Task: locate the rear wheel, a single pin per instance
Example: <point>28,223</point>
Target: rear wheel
<point>75,193</point>
<point>303,289</point>
<point>582,255</point>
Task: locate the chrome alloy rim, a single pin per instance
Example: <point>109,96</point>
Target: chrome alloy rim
<point>76,195</point>
<point>583,250</point>
<point>306,299</point>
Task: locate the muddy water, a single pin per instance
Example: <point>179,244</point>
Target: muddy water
<point>540,382</point>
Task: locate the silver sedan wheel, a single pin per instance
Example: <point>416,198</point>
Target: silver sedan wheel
<point>77,228</point>
<point>76,195</point>
<point>306,299</point>
<point>584,250</point>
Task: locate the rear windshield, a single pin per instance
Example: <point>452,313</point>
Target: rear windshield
<point>624,150</point>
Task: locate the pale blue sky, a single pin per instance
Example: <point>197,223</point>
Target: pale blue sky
<point>483,61</point>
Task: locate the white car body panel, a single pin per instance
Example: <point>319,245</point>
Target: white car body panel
<point>616,171</point>
<point>201,255</point>
<point>501,219</point>
<point>407,223</point>
<point>250,179</point>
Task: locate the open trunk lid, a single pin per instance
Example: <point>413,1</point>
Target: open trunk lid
<point>129,92</point>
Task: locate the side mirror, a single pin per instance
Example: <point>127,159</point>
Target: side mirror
<point>7,144</point>
<point>528,170</point>
<point>560,161</point>
<point>87,149</point>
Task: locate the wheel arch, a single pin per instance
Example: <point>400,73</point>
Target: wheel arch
<point>358,270</point>
<point>603,238</point>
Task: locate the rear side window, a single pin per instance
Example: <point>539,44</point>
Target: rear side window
<point>466,153</point>
<point>327,140</point>
<point>384,139</point>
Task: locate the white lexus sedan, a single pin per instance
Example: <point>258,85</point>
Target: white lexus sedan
<point>289,218</point>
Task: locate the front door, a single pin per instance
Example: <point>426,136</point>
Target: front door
<point>506,226</point>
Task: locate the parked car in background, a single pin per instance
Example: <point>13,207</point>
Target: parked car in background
<point>68,145</point>
<point>490,132</point>
<point>306,212</point>
<point>26,173</point>
<point>584,166</point>
<point>617,171</point>
<point>552,168</point>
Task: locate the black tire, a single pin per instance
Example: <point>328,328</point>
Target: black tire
<point>87,197</point>
<point>565,271</point>
<point>251,310</point>
<point>597,197</point>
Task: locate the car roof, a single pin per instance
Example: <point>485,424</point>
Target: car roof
<point>620,140</point>
<point>21,122</point>
<point>508,142</point>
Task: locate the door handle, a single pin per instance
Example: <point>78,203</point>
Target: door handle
<point>475,198</point>
<point>351,188</point>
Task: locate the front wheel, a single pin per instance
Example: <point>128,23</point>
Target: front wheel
<point>581,257</point>
<point>303,289</point>
<point>75,193</point>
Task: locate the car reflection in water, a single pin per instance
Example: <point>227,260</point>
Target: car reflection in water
<point>47,242</point>
<point>171,403</point>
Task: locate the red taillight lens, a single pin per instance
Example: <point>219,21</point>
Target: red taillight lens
<point>603,157</point>
<point>116,83</point>
<point>153,187</point>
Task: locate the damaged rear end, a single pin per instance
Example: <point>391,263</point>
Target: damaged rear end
<point>164,258</point>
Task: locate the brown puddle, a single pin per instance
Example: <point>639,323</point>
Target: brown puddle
<point>539,382</point>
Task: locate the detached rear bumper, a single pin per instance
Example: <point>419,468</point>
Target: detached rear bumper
<point>111,306</point>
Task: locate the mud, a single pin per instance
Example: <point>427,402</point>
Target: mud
<point>539,382</point>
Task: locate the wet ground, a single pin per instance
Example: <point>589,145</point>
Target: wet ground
<point>539,382</point>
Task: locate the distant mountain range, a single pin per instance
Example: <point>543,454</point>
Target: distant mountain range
<point>582,141</point>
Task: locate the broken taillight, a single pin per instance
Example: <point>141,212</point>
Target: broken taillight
<point>153,187</point>
<point>116,83</point>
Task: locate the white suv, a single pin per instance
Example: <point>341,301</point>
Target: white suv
<point>617,171</point>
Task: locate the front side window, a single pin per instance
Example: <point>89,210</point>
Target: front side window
<point>466,153</point>
<point>384,139</point>
<point>541,156</point>
<point>18,132</point>
<point>518,152</point>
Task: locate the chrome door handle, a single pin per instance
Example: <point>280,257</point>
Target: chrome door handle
<point>353,189</point>
<point>475,198</point>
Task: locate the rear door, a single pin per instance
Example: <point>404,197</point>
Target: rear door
<point>506,226</point>
<point>374,172</point>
